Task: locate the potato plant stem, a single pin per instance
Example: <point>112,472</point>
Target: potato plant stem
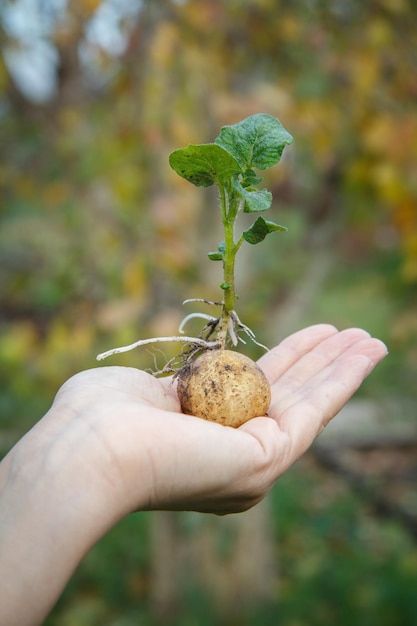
<point>230,207</point>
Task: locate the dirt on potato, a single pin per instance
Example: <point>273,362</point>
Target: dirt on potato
<point>225,387</point>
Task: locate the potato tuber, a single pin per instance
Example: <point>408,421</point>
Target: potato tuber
<point>225,387</point>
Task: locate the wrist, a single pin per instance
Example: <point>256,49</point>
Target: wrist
<point>55,504</point>
<point>73,473</point>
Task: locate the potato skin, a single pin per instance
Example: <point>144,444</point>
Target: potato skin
<point>225,387</point>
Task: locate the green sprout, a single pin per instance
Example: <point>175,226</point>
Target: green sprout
<point>230,163</point>
<point>257,142</point>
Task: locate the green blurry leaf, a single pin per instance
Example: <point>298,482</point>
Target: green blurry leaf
<point>260,229</point>
<point>257,141</point>
<point>204,164</point>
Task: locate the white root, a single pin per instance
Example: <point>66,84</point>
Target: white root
<point>234,325</point>
<point>143,342</point>
<point>211,302</point>
<point>202,316</point>
<point>231,331</point>
<point>245,329</point>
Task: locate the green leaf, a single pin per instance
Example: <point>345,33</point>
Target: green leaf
<point>250,179</point>
<point>254,201</point>
<point>257,141</point>
<point>260,229</point>
<point>204,164</point>
<point>219,254</point>
<point>215,256</point>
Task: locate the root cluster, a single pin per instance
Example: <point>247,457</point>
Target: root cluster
<point>216,334</point>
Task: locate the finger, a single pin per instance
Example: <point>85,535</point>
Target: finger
<point>317,366</point>
<point>305,419</point>
<point>326,394</point>
<point>319,358</point>
<point>278,360</point>
<point>345,377</point>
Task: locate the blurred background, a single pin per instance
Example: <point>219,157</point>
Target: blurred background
<point>100,242</point>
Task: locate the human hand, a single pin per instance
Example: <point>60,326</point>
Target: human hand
<point>161,458</point>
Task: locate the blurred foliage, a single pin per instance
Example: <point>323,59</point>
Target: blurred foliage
<point>100,241</point>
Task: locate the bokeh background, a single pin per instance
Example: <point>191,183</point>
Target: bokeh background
<point>100,242</point>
